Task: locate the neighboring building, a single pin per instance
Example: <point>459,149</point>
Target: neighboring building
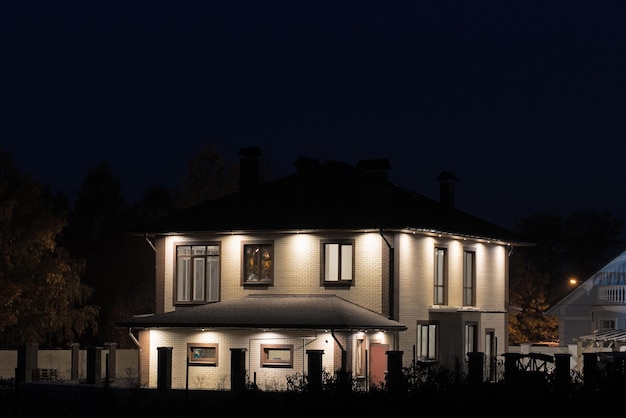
<point>334,258</point>
<point>593,315</point>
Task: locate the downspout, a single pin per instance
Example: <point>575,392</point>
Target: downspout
<point>150,243</point>
<point>392,305</point>
<point>132,337</point>
<point>155,265</point>
<point>392,285</point>
<point>344,361</point>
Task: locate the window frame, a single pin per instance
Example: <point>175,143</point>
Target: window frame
<point>430,350</point>
<point>244,262</point>
<point>470,338</point>
<point>469,277</point>
<point>606,324</point>
<point>340,260</point>
<point>440,277</point>
<point>193,348</point>
<point>490,354</point>
<point>360,369</point>
<point>212,286</point>
<point>265,361</point>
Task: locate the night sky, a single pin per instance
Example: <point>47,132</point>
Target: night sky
<point>523,101</point>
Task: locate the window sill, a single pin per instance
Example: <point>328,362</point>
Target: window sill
<point>258,284</point>
<point>345,284</point>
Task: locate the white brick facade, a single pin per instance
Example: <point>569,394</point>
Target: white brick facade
<point>297,264</point>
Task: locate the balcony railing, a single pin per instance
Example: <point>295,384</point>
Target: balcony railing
<point>615,294</point>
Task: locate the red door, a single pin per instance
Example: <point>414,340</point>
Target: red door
<point>378,364</point>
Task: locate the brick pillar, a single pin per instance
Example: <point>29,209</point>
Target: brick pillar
<point>111,363</point>
<point>591,374</point>
<point>395,381</point>
<point>562,377</point>
<point>75,350</point>
<point>27,361</point>
<point>476,362</point>
<point>164,368</point>
<point>314,370</point>
<point>94,365</point>
<point>238,369</point>
<point>511,371</point>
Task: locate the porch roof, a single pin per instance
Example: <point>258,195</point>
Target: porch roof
<point>609,336</point>
<point>271,311</point>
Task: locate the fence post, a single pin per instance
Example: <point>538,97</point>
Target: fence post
<point>27,361</point>
<point>237,369</point>
<point>395,381</point>
<point>590,371</point>
<point>75,351</point>
<point>111,364</point>
<point>94,365</point>
<point>511,370</point>
<point>314,370</point>
<point>562,377</point>
<point>164,368</point>
<point>476,367</point>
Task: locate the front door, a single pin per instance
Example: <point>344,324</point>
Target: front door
<point>378,364</point>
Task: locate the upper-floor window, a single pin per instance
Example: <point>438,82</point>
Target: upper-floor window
<point>197,273</point>
<point>441,276</point>
<point>338,262</point>
<point>258,263</point>
<point>469,278</point>
<point>427,341</point>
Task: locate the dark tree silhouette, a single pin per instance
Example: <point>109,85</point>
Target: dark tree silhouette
<point>155,203</point>
<point>97,232</point>
<point>43,299</point>
<point>209,176</point>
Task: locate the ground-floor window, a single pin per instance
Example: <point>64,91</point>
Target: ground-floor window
<point>427,341</point>
<point>276,355</point>
<point>202,353</point>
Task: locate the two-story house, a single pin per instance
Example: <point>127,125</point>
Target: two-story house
<point>334,258</point>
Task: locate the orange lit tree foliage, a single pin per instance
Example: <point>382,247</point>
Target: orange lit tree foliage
<point>43,299</point>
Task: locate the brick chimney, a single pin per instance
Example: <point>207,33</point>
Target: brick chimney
<point>447,181</point>
<point>249,168</point>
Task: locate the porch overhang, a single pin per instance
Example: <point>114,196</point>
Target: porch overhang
<point>319,312</point>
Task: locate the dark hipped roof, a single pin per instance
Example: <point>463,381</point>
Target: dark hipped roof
<point>329,196</point>
<point>272,311</point>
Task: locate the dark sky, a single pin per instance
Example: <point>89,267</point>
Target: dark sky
<point>523,101</point>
